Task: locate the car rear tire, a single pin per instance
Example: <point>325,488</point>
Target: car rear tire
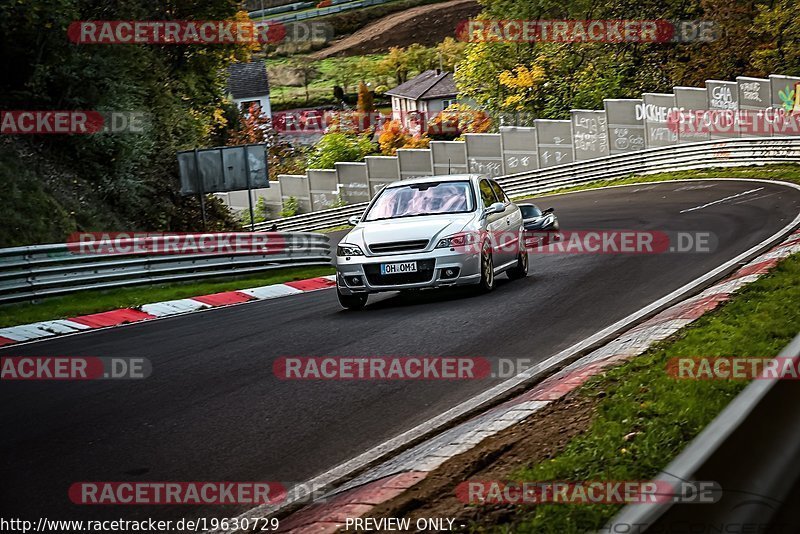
<point>486,283</point>
<point>520,270</point>
<point>351,302</point>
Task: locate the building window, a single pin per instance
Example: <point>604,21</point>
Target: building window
<point>447,102</point>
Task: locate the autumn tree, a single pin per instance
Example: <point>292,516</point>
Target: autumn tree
<point>306,72</point>
<point>255,126</point>
<point>343,72</point>
<point>778,26</point>
<point>396,64</point>
<point>366,100</point>
<point>394,136</point>
<point>420,58</point>
<point>450,52</point>
<point>457,120</point>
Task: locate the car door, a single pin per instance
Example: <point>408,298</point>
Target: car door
<point>495,222</point>
<point>511,224</point>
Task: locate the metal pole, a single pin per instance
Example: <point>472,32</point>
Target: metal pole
<point>200,190</point>
<point>249,192</point>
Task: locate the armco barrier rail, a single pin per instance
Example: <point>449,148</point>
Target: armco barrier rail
<point>706,154</point>
<point>306,14</point>
<point>751,451</point>
<point>57,269</point>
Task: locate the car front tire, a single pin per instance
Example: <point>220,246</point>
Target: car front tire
<point>520,270</point>
<point>486,283</point>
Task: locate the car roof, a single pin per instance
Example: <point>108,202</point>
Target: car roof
<point>442,178</point>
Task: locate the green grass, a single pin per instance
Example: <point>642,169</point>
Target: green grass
<point>328,70</point>
<point>94,301</point>
<point>664,413</point>
<point>787,172</point>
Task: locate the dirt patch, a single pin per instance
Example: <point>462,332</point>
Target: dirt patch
<point>426,25</point>
<point>540,437</point>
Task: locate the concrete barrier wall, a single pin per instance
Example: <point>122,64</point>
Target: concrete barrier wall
<point>746,107</point>
<point>448,157</point>
<point>754,99</point>
<point>324,188</point>
<point>353,182</point>
<point>381,170</point>
<point>414,162</point>
<point>723,99</point>
<point>690,101</point>
<point>625,124</point>
<point>658,108</point>
<point>484,154</point>
<point>589,134</point>
<point>296,185</point>
<point>784,90</point>
<point>554,142</point>
<point>519,149</point>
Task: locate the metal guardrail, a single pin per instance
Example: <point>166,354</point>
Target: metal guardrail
<point>319,12</point>
<point>706,154</point>
<point>57,269</point>
<point>751,450</point>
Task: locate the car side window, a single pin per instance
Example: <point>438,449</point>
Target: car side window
<point>499,192</point>
<point>487,193</point>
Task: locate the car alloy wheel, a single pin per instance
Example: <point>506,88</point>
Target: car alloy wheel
<point>520,270</point>
<point>487,269</point>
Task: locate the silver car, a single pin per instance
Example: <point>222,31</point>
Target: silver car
<point>431,232</point>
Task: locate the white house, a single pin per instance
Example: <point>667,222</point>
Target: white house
<point>248,84</point>
<point>429,93</point>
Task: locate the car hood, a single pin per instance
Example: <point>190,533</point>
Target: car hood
<point>431,227</point>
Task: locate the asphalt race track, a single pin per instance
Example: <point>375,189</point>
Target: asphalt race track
<point>212,409</point>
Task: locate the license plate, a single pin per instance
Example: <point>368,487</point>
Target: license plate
<point>399,268</point>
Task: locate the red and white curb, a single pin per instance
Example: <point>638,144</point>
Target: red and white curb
<point>43,329</point>
<point>390,479</point>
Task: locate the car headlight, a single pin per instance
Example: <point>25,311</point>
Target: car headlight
<point>348,250</point>
<point>458,240</point>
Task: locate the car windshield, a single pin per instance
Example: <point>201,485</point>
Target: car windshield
<point>529,212</point>
<point>422,199</point>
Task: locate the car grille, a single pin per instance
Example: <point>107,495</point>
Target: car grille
<point>425,270</point>
<point>398,246</point>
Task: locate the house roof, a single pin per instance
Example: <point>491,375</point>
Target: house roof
<point>429,84</point>
<point>248,79</point>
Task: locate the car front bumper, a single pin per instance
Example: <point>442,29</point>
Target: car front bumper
<point>361,274</point>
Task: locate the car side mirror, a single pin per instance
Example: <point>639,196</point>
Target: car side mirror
<point>548,210</point>
<point>354,220</point>
<point>497,207</point>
